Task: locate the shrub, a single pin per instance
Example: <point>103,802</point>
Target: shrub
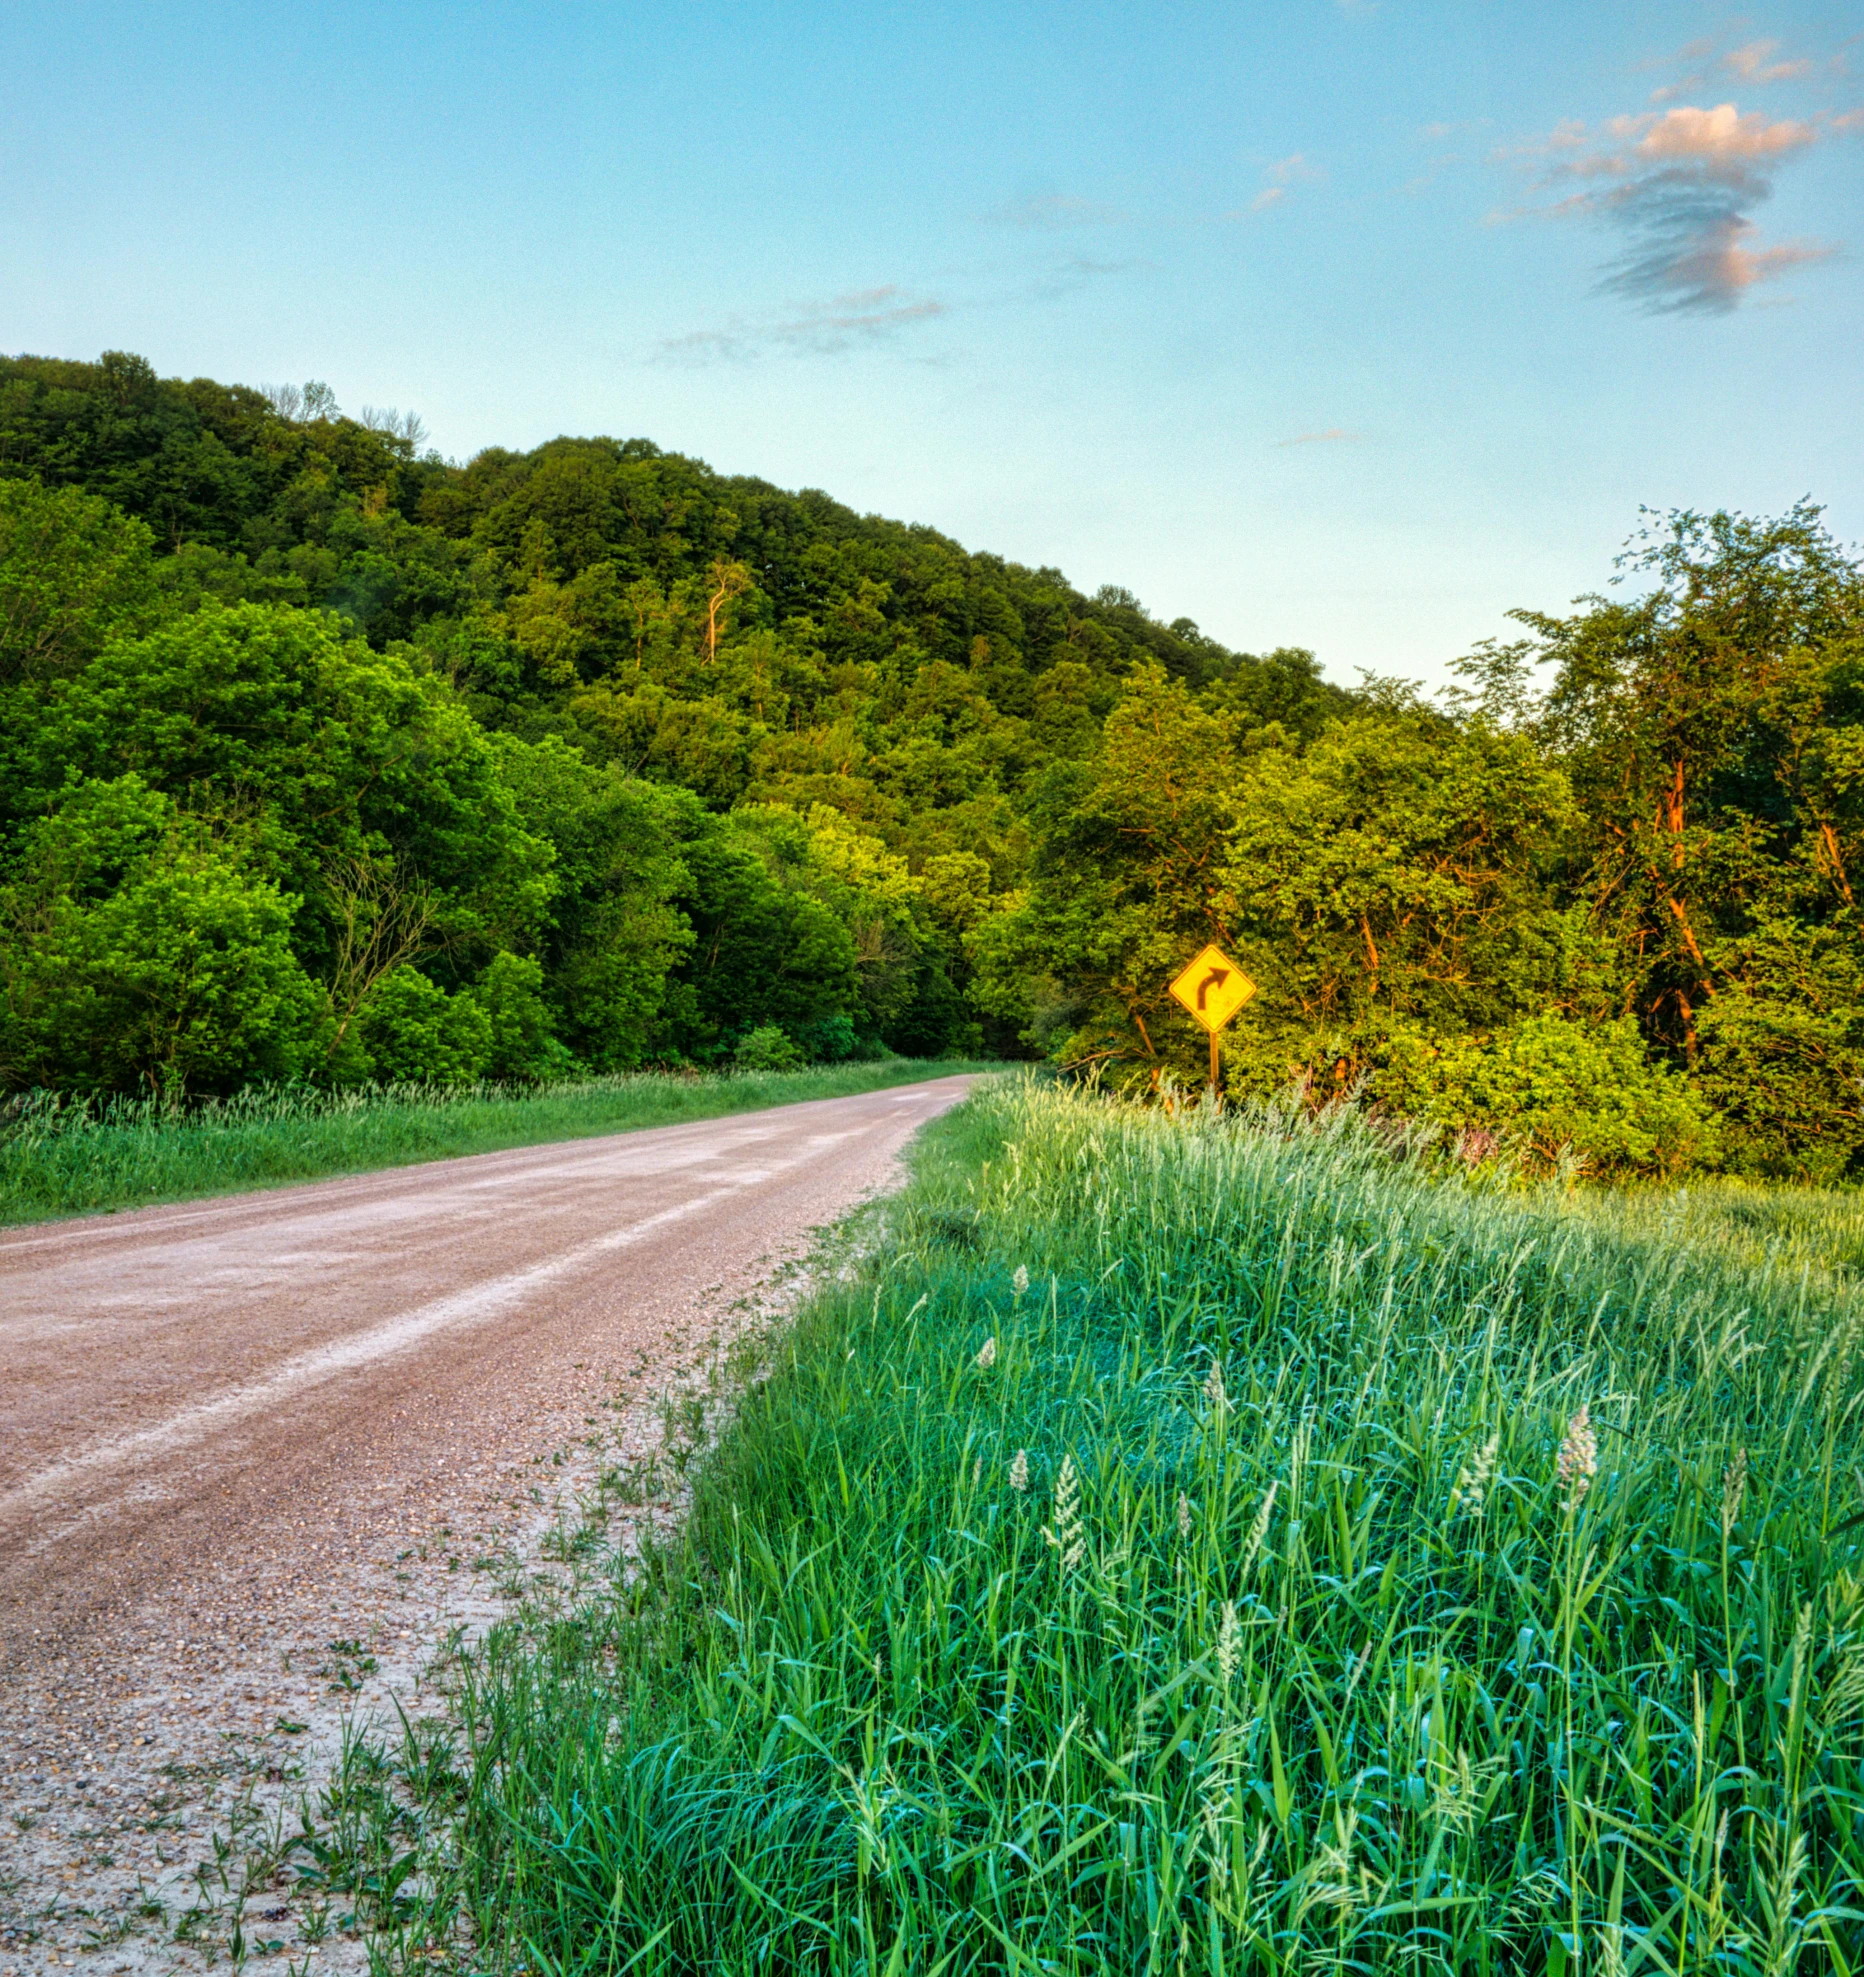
<point>829,1040</point>
<point>1785,1074</point>
<point>524,1045</point>
<point>415,1033</point>
<point>1550,1085</point>
<point>767,1048</point>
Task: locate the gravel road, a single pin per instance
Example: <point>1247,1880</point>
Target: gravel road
<point>260,1455</point>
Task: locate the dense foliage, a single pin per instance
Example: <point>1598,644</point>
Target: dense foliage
<point>326,759</point>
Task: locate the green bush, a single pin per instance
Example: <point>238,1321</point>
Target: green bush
<point>417,1034</point>
<point>1786,1075</point>
<point>1550,1087</point>
<point>767,1048</point>
<point>829,1040</point>
<point>524,1046</point>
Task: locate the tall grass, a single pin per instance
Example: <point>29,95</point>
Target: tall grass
<point>1215,1546</point>
<point>62,1156</point>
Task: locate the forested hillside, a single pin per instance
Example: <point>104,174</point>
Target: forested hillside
<point>327,759</point>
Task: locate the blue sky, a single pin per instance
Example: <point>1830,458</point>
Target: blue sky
<point>1347,326</point>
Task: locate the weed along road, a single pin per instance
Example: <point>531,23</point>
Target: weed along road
<point>235,1432</point>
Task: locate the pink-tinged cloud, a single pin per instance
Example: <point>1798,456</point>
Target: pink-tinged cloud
<point>1683,183</point>
<point>1686,134</point>
<point>1708,268</point>
<point>1722,134</point>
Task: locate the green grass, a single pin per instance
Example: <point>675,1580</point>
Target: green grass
<point>1244,1679</point>
<point>63,1157</point>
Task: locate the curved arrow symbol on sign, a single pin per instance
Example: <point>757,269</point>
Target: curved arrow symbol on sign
<point>1215,979</point>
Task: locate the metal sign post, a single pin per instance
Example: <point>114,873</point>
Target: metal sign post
<point>1213,988</point>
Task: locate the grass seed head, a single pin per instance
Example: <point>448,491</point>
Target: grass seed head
<point>1457,1790</point>
<point>1734,1488</point>
<point>987,1355</point>
<point>1844,1694</point>
<point>1333,1881</point>
<point>1785,1891</point>
<point>1184,1515</point>
<point>1019,1471</point>
<point>1259,1530</point>
<point>1215,1798</point>
<point>1579,1458</point>
<point>1214,1390</point>
<point>1472,1481</point>
<point>1020,1282</point>
<point>1229,1638</point>
<point>1068,1535</point>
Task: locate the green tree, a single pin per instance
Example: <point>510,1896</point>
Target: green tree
<point>612,929</point>
<point>73,571</point>
<point>1128,872</point>
<point>332,751</point>
<point>765,948</point>
<point>1397,872</point>
<point>138,950</point>
<point>1714,729</point>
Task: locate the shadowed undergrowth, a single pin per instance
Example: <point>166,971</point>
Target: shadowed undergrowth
<point>1215,1546</point>
<point>61,1157</point>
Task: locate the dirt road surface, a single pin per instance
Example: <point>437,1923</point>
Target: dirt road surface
<point>260,1455</point>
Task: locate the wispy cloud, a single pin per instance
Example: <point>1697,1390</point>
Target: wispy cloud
<point>808,329</point>
<point>1755,63</point>
<point>1065,279</point>
<point>1278,177</point>
<point>893,315</point>
<point>1082,269</point>
<point>1683,183</point>
<point>1054,212</point>
<point>1444,132</point>
<point>1329,437</point>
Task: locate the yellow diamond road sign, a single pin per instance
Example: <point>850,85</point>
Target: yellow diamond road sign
<point>1213,988</point>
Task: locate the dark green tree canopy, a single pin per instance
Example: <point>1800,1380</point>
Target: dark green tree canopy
<point>589,755</point>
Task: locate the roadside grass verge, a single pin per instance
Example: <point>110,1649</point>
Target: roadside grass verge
<point>64,1157</point>
<point>1219,1546</point>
